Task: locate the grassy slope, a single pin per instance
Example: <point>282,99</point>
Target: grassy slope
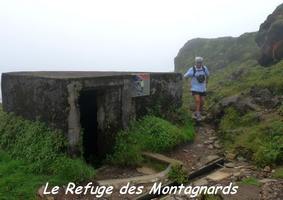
<point>149,134</point>
<point>246,75</point>
<point>30,155</point>
<point>254,135</point>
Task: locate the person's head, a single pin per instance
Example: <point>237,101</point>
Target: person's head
<point>198,61</point>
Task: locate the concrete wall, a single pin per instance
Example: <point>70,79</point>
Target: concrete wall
<point>111,115</point>
<point>165,94</point>
<point>53,99</point>
<point>36,98</point>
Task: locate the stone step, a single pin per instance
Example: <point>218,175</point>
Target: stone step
<point>162,158</point>
<point>116,183</point>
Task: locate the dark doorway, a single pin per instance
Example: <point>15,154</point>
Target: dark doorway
<point>88,120</point>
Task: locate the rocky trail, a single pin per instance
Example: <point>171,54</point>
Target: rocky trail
<point>205,148</point>
<point>202,150</point>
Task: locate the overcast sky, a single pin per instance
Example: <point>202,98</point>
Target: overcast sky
<point>142,35</point>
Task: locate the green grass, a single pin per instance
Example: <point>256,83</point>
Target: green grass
<point>178,174</point>
<point>210,197</point>
<point>250,181</point>
<point>18,182</point>
<point>278,173</point>
<point>280,110</point>
<point>153,164</point>
<point>32,154</point>
<point>260,141</point>
<point>148,134</point>
<point>245,76</point>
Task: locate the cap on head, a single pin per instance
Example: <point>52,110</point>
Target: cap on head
<point>198,59</point>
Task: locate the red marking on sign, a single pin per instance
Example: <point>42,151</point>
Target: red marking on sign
<point>143,76</point>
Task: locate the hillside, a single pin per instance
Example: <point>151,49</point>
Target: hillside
<point>218,53</point>
<point>245,97</point>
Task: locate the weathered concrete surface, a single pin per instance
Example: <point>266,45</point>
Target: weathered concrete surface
<point>161,158</point>
<point>54,98</point>
<point>165,94</point>
<point>152,178</point>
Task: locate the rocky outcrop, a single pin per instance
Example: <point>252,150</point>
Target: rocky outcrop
<point>240,102</point>
<point>256,100</point>
<point>270,38</point>
<point>264,97</point>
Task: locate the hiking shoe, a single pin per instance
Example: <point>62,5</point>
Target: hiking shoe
<point>199,118</point>
<point>194,115</point>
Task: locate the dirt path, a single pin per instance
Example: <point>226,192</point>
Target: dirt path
<point>203,149</point>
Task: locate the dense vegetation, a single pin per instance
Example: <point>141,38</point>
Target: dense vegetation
<point>148,134</point>
<point>32,154</point>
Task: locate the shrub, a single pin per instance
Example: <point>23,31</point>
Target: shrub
<point>278,173</point>
<point>251,118</point>
<point>180,117</point>
<point>41,147</point>
<point>280,110</point>
<point>147,134</point>
<point>269,149</point>
<point>178,174</point>
<point>230,119</point>
<point>74,170</point>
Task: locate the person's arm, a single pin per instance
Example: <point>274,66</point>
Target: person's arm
<point>189,73</point>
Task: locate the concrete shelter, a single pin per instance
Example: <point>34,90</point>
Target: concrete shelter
<point>91,105</point>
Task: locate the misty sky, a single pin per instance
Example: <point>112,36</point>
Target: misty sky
<point>142,35</point>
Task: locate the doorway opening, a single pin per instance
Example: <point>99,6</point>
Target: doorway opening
<point>88,120</point>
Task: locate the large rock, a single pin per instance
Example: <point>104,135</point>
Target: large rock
<point>239,102</point>
<point>270,38</point>
<point>219,175</point>
<point>264,97</point>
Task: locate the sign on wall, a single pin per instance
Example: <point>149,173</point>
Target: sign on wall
<point>140,84</point>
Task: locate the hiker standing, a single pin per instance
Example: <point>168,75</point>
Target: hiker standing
<point>199,75</point>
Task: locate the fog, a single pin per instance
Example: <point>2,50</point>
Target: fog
<point>125,35</point>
